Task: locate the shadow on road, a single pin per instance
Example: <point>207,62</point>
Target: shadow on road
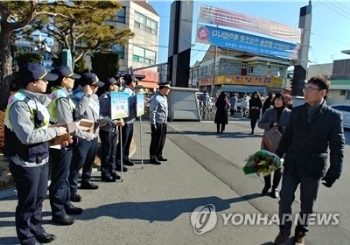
<point>167,210</point>
<point>218,135</point>
<point>9,240</point>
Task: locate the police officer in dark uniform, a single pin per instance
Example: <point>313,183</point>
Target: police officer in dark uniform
<point>87,107</point>
<point>158,118</point>
<point>26,122</point>
<point>128,129</point>
<point>61,109</point>
<point>108,133</point>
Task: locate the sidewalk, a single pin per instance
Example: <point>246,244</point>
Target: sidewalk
<point>153,205</point>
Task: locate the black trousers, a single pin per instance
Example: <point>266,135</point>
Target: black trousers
<point>31,185</point>
<point>222,127</point>
<point>108,151</point>
<point>59,191</point>
<point>158,136</point>
<point>83,157</point>
<point>277,174</point>
<point>253,122</point>
<point>127,133</point>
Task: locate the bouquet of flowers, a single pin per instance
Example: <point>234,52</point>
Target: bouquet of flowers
<point>262,163</point>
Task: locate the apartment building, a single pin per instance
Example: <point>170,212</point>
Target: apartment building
<point>142,50</point>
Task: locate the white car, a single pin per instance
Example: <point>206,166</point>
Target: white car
<point>345,111</point>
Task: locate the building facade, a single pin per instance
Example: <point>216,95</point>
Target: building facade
<point>234,71</point>
<point>142,49</point>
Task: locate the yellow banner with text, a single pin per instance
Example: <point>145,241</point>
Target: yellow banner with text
<point>274,82</point>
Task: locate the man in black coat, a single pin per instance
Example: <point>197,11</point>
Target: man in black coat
<point>311,129</point>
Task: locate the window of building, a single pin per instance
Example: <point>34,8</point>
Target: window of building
<point>120,17</point>
<point>119,50</point>
<point>347,95</point>
<point>145,23</point>
<point>144,56</point>
<point>250,69</point>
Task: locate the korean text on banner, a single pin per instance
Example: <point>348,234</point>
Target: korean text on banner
<point>246,42</point>
<point>222,17</point>
<point>119,105</point>
<point>140,104</point>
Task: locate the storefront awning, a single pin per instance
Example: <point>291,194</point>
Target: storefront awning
<point>244,89</point>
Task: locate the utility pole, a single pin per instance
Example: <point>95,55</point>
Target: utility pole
<point>212,90</point>
<point>300,67</point>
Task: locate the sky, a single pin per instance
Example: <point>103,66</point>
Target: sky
<point>329,31</point>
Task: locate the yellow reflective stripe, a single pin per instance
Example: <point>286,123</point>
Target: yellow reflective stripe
<point>43,75</point>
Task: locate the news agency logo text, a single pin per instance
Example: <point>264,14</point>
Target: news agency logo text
<point>204,219</point>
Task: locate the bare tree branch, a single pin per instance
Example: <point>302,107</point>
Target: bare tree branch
<point>28,19</point>
<point>54,15</point>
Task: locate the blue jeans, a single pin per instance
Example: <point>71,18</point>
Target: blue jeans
<point>308,194</point>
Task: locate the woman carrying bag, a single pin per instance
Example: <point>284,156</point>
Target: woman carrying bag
<point>274,121</point>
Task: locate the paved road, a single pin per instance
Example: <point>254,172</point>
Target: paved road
<point>153,205</point>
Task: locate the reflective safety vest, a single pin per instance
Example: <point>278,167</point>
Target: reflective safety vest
<point>33,107</point>
<point>56,94</point>
<point>33,153</point>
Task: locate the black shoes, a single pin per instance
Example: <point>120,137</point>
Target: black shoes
<point>61,220</point>
<point>162,159</point>
<point>75,197</point>
<point>119,168</point>
<point>115,175</point>
<point>72,210</point>
<point>107,178</point>
<point>45,238</point>
<point>265,190</point>
<point>154,160</point>
<point>274,193</point>
<point>88,185</point>
<point>129,163</point>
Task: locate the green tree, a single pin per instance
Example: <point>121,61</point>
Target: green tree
<point>13,15</point>
<point>105,65</point>
<point>83,29</point>
<point>23,58</point>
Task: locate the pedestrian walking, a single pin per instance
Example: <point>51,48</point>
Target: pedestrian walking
<point>27,121</point>
<point>313,128</point>
<point>221,116</point>
<point>61,109</point>
<point>268,103</point>
<point>275,118</point>
<point>254,109</point>
<point>158,119</point>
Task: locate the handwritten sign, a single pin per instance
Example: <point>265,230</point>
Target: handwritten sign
<point>119,105</point>
<point>140,104</point>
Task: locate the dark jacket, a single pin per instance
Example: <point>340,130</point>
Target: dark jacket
<point>254,113</point>
<point>222,107</point>
<point>305,142</point>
